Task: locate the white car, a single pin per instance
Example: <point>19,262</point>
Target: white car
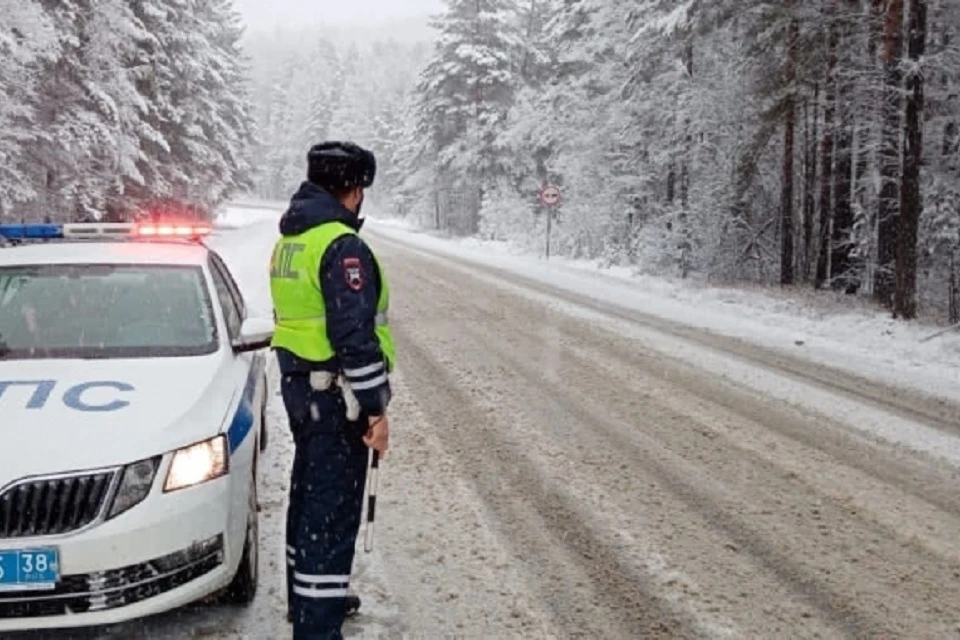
<point>132,398</point>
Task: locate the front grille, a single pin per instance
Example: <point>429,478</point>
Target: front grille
<point>116,588</point>
<point>53,506</point>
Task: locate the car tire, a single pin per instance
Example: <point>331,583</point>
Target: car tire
<point>264,437</point>
<point>243,588</point>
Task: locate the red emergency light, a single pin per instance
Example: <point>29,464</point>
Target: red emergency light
<point>172,230</point>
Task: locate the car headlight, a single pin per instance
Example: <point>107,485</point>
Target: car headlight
<point>197,464</point>
<point>135,484</point>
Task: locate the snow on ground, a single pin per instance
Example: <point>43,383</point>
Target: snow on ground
<point>437,542</point>
<point>858,339</point>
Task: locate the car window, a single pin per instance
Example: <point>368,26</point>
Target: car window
<point>230,309</point>
<point>231,284</point>
<point>104,311</point>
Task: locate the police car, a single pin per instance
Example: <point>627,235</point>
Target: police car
<point>132,399</point>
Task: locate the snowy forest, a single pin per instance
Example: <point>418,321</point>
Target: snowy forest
<point>314,84</point>
<point>807,143</point>
<point>112,106</point>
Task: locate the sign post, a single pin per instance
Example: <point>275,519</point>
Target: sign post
<point>550,196</point>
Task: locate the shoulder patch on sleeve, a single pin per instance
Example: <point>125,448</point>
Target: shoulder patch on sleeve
<point>353,272</point>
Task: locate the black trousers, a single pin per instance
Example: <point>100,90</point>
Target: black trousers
<point>326,504</point>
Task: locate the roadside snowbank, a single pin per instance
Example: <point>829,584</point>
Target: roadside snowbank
<point>855,338</point>
<point>242,214</point>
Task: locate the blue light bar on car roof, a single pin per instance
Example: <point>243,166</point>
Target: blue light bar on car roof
<point>31,231</point>
<point>99,230</point>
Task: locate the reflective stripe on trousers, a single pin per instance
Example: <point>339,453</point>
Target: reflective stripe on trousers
<point>326,504</point>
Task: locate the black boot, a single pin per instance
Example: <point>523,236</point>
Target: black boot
<point>353,606</point>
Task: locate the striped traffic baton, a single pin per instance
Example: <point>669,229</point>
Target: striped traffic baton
<point>373,480</point>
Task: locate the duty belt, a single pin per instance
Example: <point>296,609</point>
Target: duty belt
<point>326,380</point>
<point>382,319</point>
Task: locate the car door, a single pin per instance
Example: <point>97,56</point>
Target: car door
<point>245,372</point>
<point>255,363</point>
<point>243,366</point>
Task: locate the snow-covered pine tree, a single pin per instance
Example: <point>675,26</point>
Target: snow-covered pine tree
<point>226,115</point>
<point>911,196</point>
<point>466,91</point>
<point>355,96</point>
<point>392,77</point>
<point>525,143</point>
<point>408,178</point>
<point>210,124</point>
<point>87,110</point>
<point>112,103</point>
<point>27,40</point>
<point>939,254</point>
<point>323,96</point>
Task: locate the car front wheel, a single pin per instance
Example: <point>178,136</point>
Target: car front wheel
<point>243,589</point>
<point>264,431</point>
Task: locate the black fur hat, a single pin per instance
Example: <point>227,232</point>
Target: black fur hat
<point>341,165</point>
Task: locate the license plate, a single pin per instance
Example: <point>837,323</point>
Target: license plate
<point>29,570</point>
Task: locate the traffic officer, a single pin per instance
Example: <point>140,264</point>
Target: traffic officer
<point>335,353</point>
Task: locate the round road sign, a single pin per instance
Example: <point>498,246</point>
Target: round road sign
<point>551,195</point>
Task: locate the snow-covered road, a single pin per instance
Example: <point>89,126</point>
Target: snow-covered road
<point>566,468</point>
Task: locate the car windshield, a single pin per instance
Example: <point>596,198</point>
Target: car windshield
<point>104,311</point>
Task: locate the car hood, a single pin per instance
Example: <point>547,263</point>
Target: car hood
<point>58,415</point>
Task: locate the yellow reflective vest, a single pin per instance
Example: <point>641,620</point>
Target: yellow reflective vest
<point>299,307</point>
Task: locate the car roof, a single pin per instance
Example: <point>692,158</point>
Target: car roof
<point>172,253</point>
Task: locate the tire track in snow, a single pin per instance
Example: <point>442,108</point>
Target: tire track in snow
<point>493,324</point>
<point>448,568</point>
<point>549,530</point>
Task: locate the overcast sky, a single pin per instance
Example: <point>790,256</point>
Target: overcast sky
<point>265,14</point>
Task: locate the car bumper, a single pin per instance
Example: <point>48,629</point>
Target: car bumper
<point>171,550</point>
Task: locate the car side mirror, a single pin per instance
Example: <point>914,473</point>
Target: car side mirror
<point>255,334</point>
